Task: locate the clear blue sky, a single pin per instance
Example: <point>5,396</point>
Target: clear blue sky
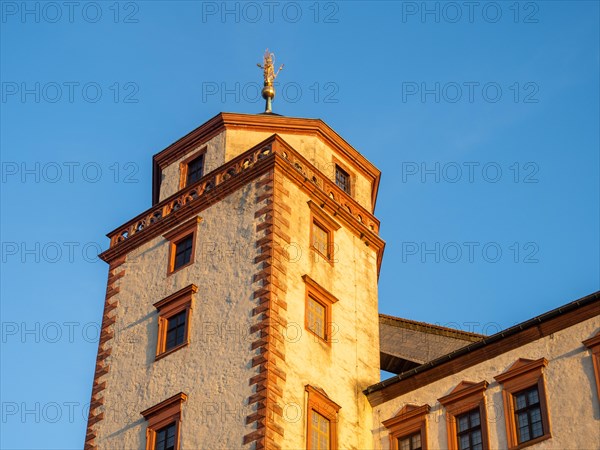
<point>483,122</point>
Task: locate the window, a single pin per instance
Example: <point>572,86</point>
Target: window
<point>525,405</point>
<point>594,345</point>
<point>194,170</point>
<point>165,437</point>
<point>191,169</point>
<point>174,314</point>
<point>322,420</point>
<point>342,179</point>
<point>320,432</point>
<point>183,251</point>
<point>466,416</point>
<point>321,239</point>
<point>408,428</point>
<point>317,317</point>
<point>469,431</point>
<point>163,423</point>
<point>528,415</point>
<point>318,310</point>
<point>321,232</point>
<point>412,442</point>
<point>182,242</point>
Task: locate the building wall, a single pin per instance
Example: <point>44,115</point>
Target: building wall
<point>351,362</point>
<point>214,369</point>
<point>570,388</point>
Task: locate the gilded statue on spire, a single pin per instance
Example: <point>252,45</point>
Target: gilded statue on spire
<point>268,92</point>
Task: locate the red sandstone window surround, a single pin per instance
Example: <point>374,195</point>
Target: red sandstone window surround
<point>408,427</point>
<point>466,421</point>
<point>525,403</point>
<point>322,229</point>
<point>593,344</point>
<point>163,423</point>
<point>182,245</point>
<point>318,310</point>
<point>174,317</point>
<point>322,420</point>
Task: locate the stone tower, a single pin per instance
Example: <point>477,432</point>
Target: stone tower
<point>241,308</point>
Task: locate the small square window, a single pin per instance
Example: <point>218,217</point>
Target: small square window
<point>195,170</point>
<point>342,179</point>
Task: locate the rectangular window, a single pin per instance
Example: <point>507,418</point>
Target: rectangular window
<point>176,330</point>
<point>412,442</point>
<point>317,318</point>
<point>183,252</point>
<point>528,414</point>
<point>182,243</point>
<point>408,428</point>
<point>163,423</point>
<point>165,437</point>
<point>322,420</point>
<point>318,308</point>
<point>322,228</point>
<point>174,313</point>
<point>342,179</point>
<point>320,438</point>
<point>195,170</point>
<point>191,169</point>
<point>466,417</point>
<point>321,240</point>
<point>526,409</point>
<point>469,431</point>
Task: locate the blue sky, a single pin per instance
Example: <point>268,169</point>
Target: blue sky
<point>484,123</point>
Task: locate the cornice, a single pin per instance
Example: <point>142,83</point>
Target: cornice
<point>273,124</point>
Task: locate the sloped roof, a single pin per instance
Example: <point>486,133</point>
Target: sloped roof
<point>405,344</point>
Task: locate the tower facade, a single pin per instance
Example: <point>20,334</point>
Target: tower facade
<point>241,308</point>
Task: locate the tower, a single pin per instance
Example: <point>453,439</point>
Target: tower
<point>241,307</point>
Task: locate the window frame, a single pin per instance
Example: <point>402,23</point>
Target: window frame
<point>593,344</point>
<point>319,401</point>
<point>465,397</point>
<point>322,296</point>
<point>522,375</point>
<point>351,176</point>
<point>330,226</point>
<point>175,237</point>
<point>161,415</point>
<point>411,419</point>
<point>169,307</point>
<point>183,167</point>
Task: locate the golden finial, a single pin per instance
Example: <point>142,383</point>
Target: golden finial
<point>268,92</point>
